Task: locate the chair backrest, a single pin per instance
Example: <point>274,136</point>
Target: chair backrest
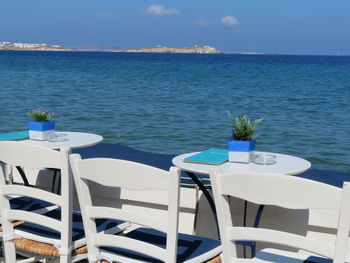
<point>25,155</point>
<point>284,191</point>
<point>132,176</point>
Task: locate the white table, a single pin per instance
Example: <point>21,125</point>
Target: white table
<point>285,164</point>
<point>73,140</point>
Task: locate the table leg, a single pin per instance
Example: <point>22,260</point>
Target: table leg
<point>56,176</point>
<point>24,178</point>
<point>258,215</point>
<point>59,182</point>
<point>26,183</point>
<point>207,196</point>
<point>244,225</point>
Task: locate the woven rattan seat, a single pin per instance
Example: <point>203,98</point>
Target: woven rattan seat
<point>43,248</point>
<point>50,250</point>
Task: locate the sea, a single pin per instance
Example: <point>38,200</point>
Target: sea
<point>179,103</point>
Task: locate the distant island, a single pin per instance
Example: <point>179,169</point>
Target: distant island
<point>162,49</point>
<point>95,47</point>
<point>31,47</point>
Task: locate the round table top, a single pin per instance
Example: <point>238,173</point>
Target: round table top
<point>71,140</point>
<point>285,164</point>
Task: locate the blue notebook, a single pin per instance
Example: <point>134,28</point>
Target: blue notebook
<point>12,136</point>
<point>211,156</point>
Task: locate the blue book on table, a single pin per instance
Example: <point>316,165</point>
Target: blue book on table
<point>12,136</point>
<point>211,156</point>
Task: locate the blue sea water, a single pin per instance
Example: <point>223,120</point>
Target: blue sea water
<point>177,103</point>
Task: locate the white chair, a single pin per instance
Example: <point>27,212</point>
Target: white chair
<point>53,234</point>
<point>284,191</point>
<point>159,240</point>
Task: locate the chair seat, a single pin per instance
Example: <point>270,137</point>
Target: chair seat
<point>45,249</point>
<point>281,256</point>
<point>190,247</point>
<point>28,203</point>
<point>34,237</point>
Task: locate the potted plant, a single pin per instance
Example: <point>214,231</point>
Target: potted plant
<point>41,126</point>
<point>242,142</point>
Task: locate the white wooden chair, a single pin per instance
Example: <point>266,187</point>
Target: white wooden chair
<point>53,234</point>
<point>284,191</point>
<point>20,202</point>
<point>158,239</point>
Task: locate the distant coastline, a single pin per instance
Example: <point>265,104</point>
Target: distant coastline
<point>31,47</point>
<point>162,49</point>
<point>157,49</point>
<point>97,48</point>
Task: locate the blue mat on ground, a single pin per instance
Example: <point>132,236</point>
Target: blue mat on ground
<point>119,151</point>
<point>163,161</point>
<point>328,177</point>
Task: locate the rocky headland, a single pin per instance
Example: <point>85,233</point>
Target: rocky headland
<point>162,49</point>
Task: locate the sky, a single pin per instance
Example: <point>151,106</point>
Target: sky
<point>314,27</point>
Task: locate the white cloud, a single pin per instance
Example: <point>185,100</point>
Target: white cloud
<point>161,10</point>
<point>225,20</point>
<point>229,21</point>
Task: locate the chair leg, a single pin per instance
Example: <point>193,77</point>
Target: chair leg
<point>65,259</point>
<point>194,231</point>
<point>9,251</point>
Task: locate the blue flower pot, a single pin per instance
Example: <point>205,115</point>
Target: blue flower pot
<point>240,151</point>
<point>41,131</point>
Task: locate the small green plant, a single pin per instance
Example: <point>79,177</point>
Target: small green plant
<point>40,115</point>
<point>242,128</point>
